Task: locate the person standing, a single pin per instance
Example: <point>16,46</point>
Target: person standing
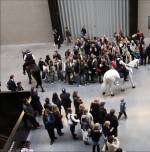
<point>106,129</point>
<point>19,86</point>
<point>40,64</point>
<point>58,120</point>
<point>68,35</point>
<point>57,38</point>
<point>11,85</point>
<point>29,115</point>
<point>122,109</point>
<point>65,100</point>
<point>77,101</point>
<point>113,122</point>
<point>56,101</point>
<point>47,104</point>
<point>111,145</point>
<point>49,123</point>
<point>96,134</point>
<point>72,121</point>
<point>83,31</point>
<point>36,104</point>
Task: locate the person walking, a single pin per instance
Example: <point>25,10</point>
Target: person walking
<point>49,123</point>
<point>122,109</point>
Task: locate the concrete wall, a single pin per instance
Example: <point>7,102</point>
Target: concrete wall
<point>143,13</point>
<point>25,21</point>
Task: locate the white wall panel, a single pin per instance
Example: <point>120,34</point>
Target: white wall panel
<point>98,16</point>
<point>144,12</point>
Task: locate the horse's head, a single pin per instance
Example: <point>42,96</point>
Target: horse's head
<point>134,63</point>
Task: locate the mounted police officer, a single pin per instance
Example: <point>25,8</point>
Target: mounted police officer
<point>121,68</point>
<point>29,59</point>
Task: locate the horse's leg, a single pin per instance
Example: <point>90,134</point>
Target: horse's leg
<point>131,79</point>
<point>103,87</point>
<point>30,78</point>
<point>42,89</point>
<point>122,82</point>
<point>39,80</point>
<point>110,83</point>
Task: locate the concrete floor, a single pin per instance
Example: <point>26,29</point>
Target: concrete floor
<point>134,132</point>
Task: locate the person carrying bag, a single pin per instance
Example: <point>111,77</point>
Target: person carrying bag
<point>72,122</point>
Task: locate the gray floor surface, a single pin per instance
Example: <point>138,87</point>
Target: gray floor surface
<point>134,133</point>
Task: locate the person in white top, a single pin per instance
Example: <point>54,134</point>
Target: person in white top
<point>72,121</point>
<point>111,145</point>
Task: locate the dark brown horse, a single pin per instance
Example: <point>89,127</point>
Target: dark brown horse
<point>34,71</point>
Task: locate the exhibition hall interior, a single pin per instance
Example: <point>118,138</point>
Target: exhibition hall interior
<point>74,75</point>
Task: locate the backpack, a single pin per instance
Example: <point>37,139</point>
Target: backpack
<point>51,118</point>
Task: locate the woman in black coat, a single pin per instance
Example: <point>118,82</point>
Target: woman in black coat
<point>96,134</point>
<point>58,120</point>
<point>35,101</point>
<point>56,101</point>
<point>77,101</point>
<point>107,129</point>
<point>49,123</point>
<point>95,111</point>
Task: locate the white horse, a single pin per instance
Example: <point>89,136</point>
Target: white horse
<point>112,76</point>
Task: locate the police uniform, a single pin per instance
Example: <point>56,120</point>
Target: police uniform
<point>122,69</point>
<point>29,59</point>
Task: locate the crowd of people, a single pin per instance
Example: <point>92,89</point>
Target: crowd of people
<point>85,63</point>
<point>89,59</point>
<point>97,124</point>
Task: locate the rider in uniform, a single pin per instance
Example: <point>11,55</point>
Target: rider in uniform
<point>121,68</point>
<point>29,59</point>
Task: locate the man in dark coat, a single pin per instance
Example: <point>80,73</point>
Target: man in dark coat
<point>29,115</point>
<point>40,64</point>
<point>94,110</point>
<point>11,85</point>
<point>68,35</point>
<point>102,113</point>
<point>57,38</point>
<point>65,99</point>
<point>83,31</point>
<point>49,123</point>
<point>113,122</point>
